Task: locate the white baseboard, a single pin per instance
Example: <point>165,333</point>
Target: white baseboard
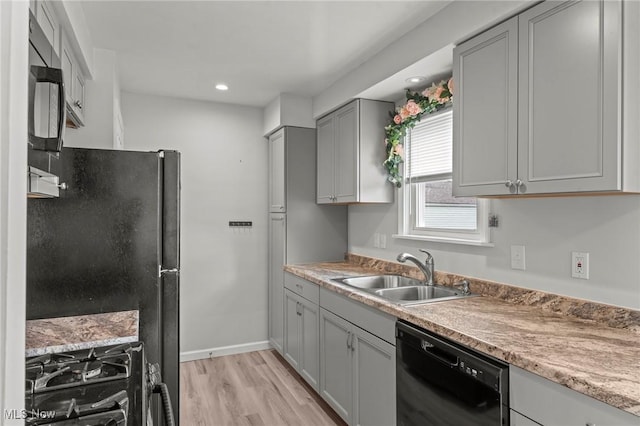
<point>225,350</point>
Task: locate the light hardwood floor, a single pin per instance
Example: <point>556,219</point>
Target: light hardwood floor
<point>255,388</point>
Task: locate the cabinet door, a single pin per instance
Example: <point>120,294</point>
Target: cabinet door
<point>48,22</point>
<point>326,167</point>
<point>277,250</point>
<point>309,343</point>
<point>335,363</point>
<point>78,94</point>
<point>277,172</point>
<point>374,378</point>
<point>292,313</point>
<point>347,163</point>
<point>569,96</point>
<point>67,71</point>
<point>485,72</point>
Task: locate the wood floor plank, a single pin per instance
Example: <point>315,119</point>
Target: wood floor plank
<point>253,389</point>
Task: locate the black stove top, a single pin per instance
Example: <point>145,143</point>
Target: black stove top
<point>98,386</point>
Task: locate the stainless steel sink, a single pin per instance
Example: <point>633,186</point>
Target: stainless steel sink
<point>380,281</point>
<point>418,293</point>
<point>403,290</point>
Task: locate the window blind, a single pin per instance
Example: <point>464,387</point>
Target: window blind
<point>430,146</point>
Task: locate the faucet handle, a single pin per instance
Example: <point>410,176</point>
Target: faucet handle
<point>429,257</point>
<point>464,284</point>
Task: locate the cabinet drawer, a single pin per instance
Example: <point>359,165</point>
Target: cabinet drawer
<point>549,403</point>
<point>302,287</point>
<point>370,319</point>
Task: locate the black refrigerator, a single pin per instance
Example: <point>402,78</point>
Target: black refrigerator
<point>111,242</point>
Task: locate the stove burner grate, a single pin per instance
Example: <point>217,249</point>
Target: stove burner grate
<point>53,371</point>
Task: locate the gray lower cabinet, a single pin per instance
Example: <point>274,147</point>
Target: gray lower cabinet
<point>336,385</point>
<point>301,336</point>
<point>537,400</point>
<point>357,368</point>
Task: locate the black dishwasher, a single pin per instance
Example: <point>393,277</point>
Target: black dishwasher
<point>442,383</point>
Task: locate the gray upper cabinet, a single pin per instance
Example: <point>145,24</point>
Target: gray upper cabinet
<point>351,152</point>
<point>74,82</point>
<point>277,172</point>
<point>568,130</point>
<point>485,126</point>
<point>559,62</point>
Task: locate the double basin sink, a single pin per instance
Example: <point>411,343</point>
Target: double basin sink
<point>403,290</point>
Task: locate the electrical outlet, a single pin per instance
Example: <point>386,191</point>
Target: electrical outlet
<point>517,257</point>
<point>580,265</point>
<point>383,240</point>
<point>376,240</point>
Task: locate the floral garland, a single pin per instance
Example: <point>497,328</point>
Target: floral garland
<point>428,101</point>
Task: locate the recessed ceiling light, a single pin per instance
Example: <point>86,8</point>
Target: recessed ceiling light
<point>222,87</point>
<point>414,80</point>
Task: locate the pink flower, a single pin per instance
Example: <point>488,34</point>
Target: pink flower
<point>450,85</point>
<point>404,113</point>
<point>398,150</point>
<point>437,94</point>
<point>413,108</point>
<point>397,119</point>
<point>428,92</point>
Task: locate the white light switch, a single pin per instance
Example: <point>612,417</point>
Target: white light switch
<point>517,257</point>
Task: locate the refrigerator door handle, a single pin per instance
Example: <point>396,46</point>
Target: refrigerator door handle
<point>167,271</point>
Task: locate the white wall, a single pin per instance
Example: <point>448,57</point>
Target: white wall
<point>13,204</point>
<point>607,227</point>
<point>224,174</point>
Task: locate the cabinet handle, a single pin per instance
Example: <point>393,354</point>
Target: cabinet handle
<point>348,338</point>
<point>353,338</point>
<point>78,104</point>
<point>519,183</point>
<point>508,183</point>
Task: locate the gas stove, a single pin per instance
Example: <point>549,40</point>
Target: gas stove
<point>92,387</point>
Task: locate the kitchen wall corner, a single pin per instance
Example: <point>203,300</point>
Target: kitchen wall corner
<point>224,168</point>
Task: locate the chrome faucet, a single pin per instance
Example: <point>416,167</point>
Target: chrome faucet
<point>426,267</point>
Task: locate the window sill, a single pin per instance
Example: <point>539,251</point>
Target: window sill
<point>443,240</point>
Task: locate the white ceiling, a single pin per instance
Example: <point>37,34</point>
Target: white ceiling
<point>258,48</point>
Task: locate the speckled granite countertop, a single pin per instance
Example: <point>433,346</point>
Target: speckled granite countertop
<point>52,335</point>
<point>588,347</point>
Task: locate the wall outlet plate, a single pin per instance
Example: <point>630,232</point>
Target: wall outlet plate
<point>517,258</point>
<point>580,265</point>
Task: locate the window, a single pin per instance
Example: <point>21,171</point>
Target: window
<point>428,209</point>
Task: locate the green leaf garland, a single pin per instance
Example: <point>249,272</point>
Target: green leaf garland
<point>430,100</point>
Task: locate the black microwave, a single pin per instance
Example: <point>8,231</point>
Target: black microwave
<point>46,112</point>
